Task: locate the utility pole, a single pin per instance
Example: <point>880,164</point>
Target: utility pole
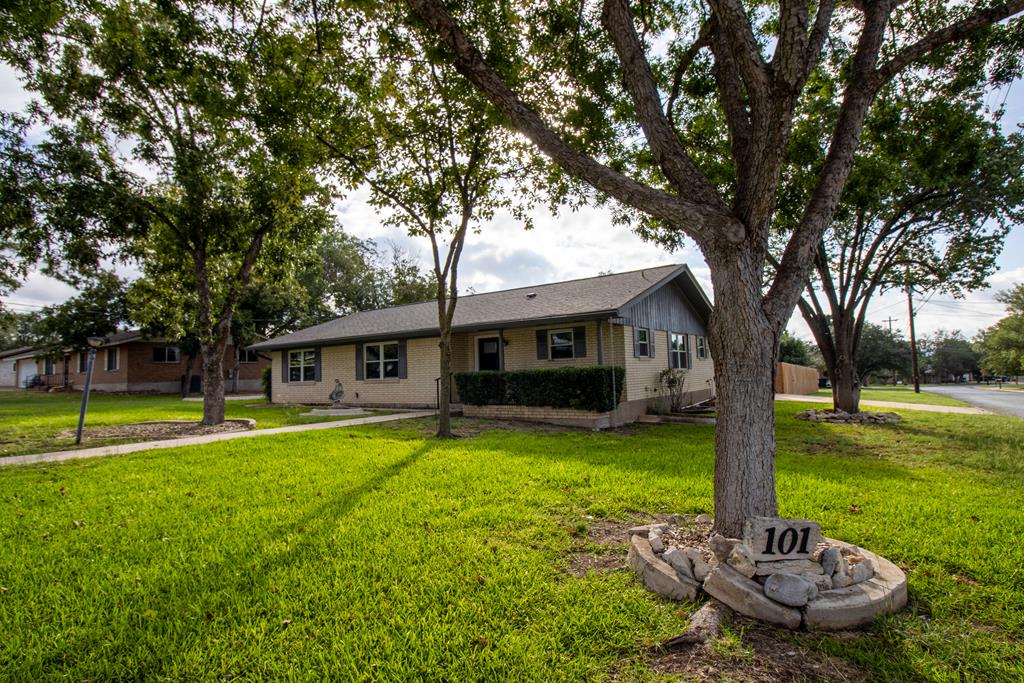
<point>913,341</point>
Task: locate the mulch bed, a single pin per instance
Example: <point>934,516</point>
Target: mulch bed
<point>168,429</point>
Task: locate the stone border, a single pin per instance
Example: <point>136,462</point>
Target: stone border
<point>861,603</point>
<point>833,610</point>
<point>658,575</point>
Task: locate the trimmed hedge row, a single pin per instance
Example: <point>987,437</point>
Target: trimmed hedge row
<point>587,388</point>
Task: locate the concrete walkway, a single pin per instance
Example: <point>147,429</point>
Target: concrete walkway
<point>963,410</point>
<point>122,449</point>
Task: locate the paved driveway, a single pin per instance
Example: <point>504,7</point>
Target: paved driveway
<point>1007,402</point>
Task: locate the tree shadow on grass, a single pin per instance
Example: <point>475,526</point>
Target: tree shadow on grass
<point>247,569</point>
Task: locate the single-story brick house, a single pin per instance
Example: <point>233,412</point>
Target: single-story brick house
<point>645,321</point>
<point>130,362</point>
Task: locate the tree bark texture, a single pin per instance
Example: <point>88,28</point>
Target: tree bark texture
<point>213,382</point>
<point>444,410</point>
<point>743,344</point>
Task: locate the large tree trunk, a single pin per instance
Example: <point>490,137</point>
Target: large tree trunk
<point>213,382</point>
<point>743,346</point>
<point>845,384</point>
<point>444,409</point>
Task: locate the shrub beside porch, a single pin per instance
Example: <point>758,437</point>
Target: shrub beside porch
<point>577,396</point>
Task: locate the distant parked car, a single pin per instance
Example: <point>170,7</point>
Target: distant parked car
<point>824,383</point>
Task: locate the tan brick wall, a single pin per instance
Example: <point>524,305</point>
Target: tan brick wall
<point>339,362</point>
<point>563,416</point>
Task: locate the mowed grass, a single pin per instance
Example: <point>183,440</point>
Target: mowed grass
<point>378,553</point>
<point>37,422</point>
<point>901,394</point>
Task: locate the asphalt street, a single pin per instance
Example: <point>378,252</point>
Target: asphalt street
<point>1006,401</point>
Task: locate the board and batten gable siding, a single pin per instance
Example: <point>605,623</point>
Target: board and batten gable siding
<point>339,362</point>
<point>642,372</point>
<point>666,309</point>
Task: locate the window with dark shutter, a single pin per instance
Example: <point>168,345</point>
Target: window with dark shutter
<point>579,342</point>
<point>542,345</point>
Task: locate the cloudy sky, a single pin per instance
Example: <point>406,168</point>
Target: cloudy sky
<point>585,242</point>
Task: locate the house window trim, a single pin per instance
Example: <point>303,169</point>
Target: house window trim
<point>702,348</point>
<point>302,366</point>
<point>177,352</point>
<point>117,359</point>
<point>647,352</point>
<point>379,377</point>
<point>572,344</point>
<point>682,358</point>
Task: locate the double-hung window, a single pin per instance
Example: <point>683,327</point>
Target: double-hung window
<point>381,360</point>
<point>112,359</point>
<point>702,347</point>
<point>166,354</point>
<point>679,350</point>
<point>302,365</point>
<point>248,356</point>
<point>643,342</point>
<point>82,360</point>
<point>560,344</point>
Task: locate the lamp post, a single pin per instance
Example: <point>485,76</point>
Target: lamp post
<point>94,342</point>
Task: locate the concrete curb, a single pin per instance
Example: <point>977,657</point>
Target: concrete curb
<point>124,449</point>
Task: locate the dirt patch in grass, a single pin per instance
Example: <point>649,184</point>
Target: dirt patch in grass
<point>168,429</point>
<point>751,652</point>
<point>599,546</point>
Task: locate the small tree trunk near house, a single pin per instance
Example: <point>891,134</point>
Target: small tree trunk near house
<point>444,409</point>
<point>186,380</point>
<point>743,344</point>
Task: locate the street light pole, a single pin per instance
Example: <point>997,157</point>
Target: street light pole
<point>89,362</point>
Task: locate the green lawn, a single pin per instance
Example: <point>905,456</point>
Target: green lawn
<point>378,553</point>
<point>37,422</point>
<point>901,394</point>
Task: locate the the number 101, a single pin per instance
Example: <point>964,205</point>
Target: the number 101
<point>787,541</point>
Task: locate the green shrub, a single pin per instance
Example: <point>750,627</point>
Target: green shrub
<point>265,381</point>
<point>587,388</point>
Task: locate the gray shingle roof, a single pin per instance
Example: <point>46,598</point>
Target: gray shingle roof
<point>603,295</point>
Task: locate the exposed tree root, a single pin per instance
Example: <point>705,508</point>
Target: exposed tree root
<point>705,624</point>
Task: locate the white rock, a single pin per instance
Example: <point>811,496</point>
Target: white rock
<point>704,519</point>
<point>740,560</point>
<point>747,597</point>
<point>841,578</point>
<point>657,545</point>
<point>790,589</point>
<point>679,561</point>
<point>861,571</point>
<point>824,583</point>
<point>722,546</point>
<point>829,559</point>
<point>701,569</point>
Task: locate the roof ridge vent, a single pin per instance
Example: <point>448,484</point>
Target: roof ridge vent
<point>531,295</point>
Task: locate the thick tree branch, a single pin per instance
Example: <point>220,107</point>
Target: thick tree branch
<point>703,40</point>
<point>739,35</point>
<point>952,33</point>
<point>698,220</point>
<point>639,80</point>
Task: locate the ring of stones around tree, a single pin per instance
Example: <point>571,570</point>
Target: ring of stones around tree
<point>843,417</point>
<point>832,585</point>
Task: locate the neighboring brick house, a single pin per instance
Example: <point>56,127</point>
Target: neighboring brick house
<point>645,321</point>
<point>130,362</point>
